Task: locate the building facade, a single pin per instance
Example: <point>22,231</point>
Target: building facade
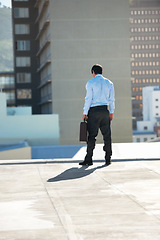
<point>149,127</point>
<point>7,85</point>
<point>68,38</point>
<point>145,50</point>
<point>25,49</point>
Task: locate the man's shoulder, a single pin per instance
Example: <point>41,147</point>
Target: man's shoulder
<point>108,81</point>
<point>90,81</point>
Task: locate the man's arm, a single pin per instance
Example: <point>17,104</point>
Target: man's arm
<point>88,100</point>
<point>84,118</point>
<point>111,102</point>
<point>111,116</point>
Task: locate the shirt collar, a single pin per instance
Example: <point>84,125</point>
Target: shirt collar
<point>98,75</point>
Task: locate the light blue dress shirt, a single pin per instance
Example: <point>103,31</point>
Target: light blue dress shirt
<point>100,91</point>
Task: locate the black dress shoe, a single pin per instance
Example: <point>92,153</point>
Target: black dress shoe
<point>84,163</point>
<point>108,161</point>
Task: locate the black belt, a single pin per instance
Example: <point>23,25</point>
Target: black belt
<point>101,107</point>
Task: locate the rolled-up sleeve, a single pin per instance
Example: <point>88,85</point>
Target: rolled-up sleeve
<point>111,100</point>
<point>88,98</point>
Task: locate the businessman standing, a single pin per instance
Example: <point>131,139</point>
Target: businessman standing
<point>98,112</point>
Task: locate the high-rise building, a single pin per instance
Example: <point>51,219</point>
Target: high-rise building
<point>145,50</point>
<point>57,43</point>
<point>25,45</point>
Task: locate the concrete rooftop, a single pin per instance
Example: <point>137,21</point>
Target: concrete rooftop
<point>56,199</point>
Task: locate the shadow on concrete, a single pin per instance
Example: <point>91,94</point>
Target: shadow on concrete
<point>74,173</point>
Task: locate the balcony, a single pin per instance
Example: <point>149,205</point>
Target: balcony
<point>45,44</point>
<point>45,81</point>
<point>46,99</point>
<point>43,65</point>
<point>43,28</point>
<point>37,3</point>
<point>42,9</point>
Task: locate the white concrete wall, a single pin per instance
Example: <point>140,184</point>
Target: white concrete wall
<point>19,111</point>
<point>124,151</point>
<point>149,103</point>
<point>36,129</point>
<point>155,104</point>
<point>142,124</point>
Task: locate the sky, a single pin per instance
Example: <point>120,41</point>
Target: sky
<point>6,2</point>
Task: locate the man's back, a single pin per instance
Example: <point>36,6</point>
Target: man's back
<point>100,90</point>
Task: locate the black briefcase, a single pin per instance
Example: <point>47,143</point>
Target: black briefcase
<point>83,132</point>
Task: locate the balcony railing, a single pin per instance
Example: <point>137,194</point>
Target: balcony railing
<point>42,8</point>
<point>45,43</point>
<point>46,80</point>
<point>44,26</point>
<point>46,99</point>
<point>43,65</point>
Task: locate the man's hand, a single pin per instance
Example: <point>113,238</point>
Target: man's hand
<point>111,116</point>
<point>84,118</point>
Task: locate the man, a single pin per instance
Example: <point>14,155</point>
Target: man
<point>99,97</point>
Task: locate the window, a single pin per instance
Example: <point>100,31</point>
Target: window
<point>24,94</point>
<point>23,45</point>
<point>20,0</point>
<point>21,12</point>
<point>22,29</point>
<point>145,128</point>
<point>10,95</point>
<point>23,77</point>
<point>23,61</point>
<point>6,80</point>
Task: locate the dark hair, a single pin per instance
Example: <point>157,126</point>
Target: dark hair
<point>97,68</point>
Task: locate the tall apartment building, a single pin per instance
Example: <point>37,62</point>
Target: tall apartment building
<point>145,50</point>
<point>68,37</point>
<point>25,45</point>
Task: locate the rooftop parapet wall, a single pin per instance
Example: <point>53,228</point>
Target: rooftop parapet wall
<point>36,129</point>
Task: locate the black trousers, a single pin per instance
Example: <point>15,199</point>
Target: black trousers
<point>98,118</point>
